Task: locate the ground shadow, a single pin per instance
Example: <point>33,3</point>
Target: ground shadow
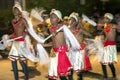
<point>96,75</point>
<point>32,72</point>
<point>92,75</point>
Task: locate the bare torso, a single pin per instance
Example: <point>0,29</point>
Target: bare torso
<point>59,40</point>
<point>20,28</point>
<point>78,34</point>
<point>111,34</point>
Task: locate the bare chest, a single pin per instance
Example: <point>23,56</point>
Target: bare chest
<point>59,40</point>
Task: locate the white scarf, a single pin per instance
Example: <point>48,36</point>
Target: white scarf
<point>70,38</point>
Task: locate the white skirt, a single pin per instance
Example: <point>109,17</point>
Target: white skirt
<point>17,50</point>
<point>109,55</point>
<point>77,59</point>
<point>52,71</point>
<point>22,50</point>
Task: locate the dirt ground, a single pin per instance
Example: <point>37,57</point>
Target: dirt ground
<point>39,72</point>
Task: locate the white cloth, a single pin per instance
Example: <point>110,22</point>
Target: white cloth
<point>70,38</point>
<point>42,54</point>
<point>52,71</point>
<point>20,51</point>
<point>16,51</point>
<point>30,28</point>
<point>4,43</point>
<point>110,54</point>
<point>2,47</point>
<point>77,59</point>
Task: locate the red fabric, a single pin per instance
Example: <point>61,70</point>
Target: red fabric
<point>64,64</point>
<point>17,58</point>
<point>53,28</point>
<point>107,29</point>
<point>82,46</point>
<point>87,64</point>
<point>20,39</point>
<point>16,24</point>
<point>52,77</point>
<point>76,30</point>
<point>106,43</point>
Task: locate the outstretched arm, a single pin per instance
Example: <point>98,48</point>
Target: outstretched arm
<point>99,25</point>
<point>116,26</point>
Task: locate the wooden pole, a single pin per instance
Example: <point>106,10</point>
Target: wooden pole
<point>24,4</point>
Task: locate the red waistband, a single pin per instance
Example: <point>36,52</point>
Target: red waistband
<point>82,46</point>
<point>20,39</point>
<point>106,43</point>
<point>61,48</point>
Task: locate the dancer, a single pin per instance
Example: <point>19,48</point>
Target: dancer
<point>109,56</point>
<point>78,57</point>
<point>59,62</point>
<point>19,25</point>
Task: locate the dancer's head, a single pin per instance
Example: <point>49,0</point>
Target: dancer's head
<point>73,18</point>
<point>17,9</point>
<point>108,17</point>
<point>55,16</point>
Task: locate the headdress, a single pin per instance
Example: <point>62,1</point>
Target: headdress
<point>17,5</point>
<point>57,13</point>
<point>109,16</point>
<point>75,16</point>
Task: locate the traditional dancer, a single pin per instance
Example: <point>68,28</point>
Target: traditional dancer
<point>59,61</point>
<point>19,25</point>
<point>78,57</point>
<point>109,56</point>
